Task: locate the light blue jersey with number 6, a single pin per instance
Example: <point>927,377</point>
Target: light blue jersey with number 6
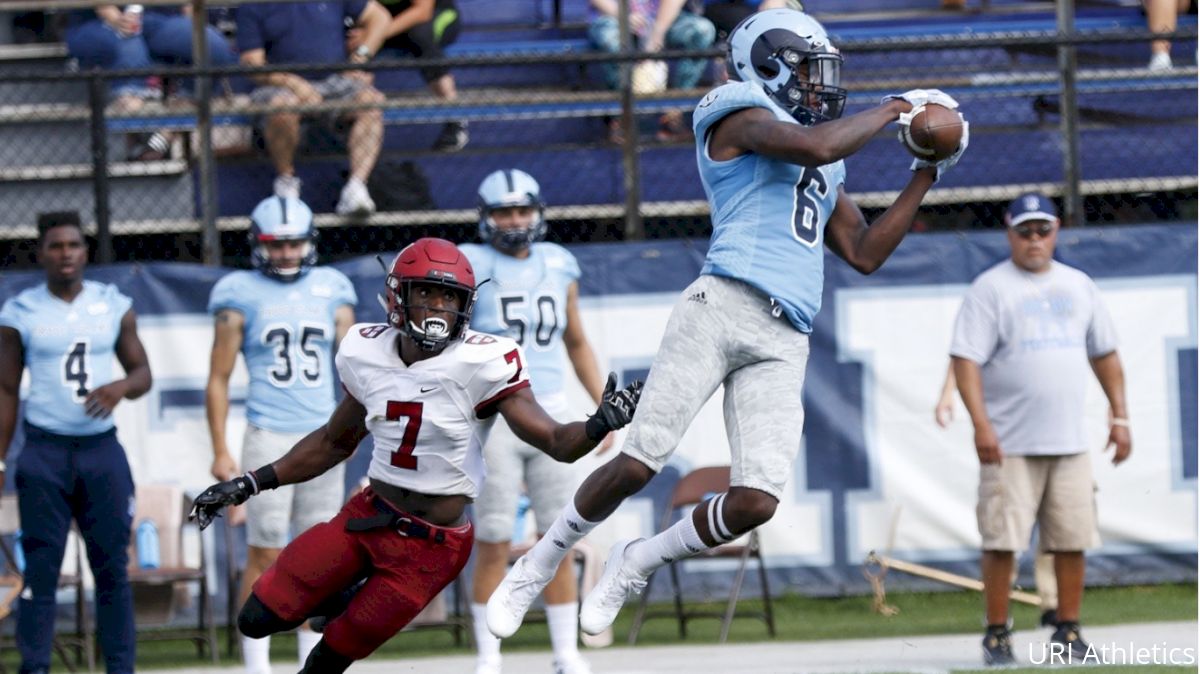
<point>287,342</point>
<point>768,215</point>
<point>69,350</point>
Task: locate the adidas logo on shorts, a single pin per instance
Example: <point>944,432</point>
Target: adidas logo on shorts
<point>698,297</point>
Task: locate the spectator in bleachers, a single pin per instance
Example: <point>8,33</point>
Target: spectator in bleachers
<point>1162,16</point>
<point>423,28</point>
<point>112,38</point>
<point>655,24</point>
<point>314,33</point>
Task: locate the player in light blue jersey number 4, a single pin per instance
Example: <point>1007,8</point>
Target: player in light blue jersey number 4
<point>72,467</point>
<point>532,296</point>
<point>770,147</point>
<point>284,317</point>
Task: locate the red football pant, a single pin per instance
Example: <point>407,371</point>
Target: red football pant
<point>406,574</point>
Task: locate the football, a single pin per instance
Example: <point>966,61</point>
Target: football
<point>934,133</point>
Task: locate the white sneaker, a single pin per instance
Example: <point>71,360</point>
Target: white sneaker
<point>604,602</point>
<point>287,186</point>
<point>571,664</point>
<point>1160,62</point>
<point>355,200</point>
<point>506,609</point>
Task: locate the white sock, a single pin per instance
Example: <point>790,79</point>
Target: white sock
<point>563,620</point>
<point>678,542</point>
<point>256,653</point>
<point>353,181</point>
<point>568,529</point>
<point>486,643</point>
<point>306,640</point>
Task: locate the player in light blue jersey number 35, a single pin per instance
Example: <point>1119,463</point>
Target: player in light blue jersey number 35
<point>284,317</point>
<point>770,147</point>
<point>532,296</point>
<point>66,331</point>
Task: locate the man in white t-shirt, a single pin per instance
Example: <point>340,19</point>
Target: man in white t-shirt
<point>1027,333</point>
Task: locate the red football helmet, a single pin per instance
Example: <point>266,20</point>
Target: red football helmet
<point>434,262</point>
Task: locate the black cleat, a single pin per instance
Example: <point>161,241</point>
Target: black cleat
<point>1068,635</point>
<point>997,647</point>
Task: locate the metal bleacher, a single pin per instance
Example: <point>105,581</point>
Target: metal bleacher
<point>546,117</point>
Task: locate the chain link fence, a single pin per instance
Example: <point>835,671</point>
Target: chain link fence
<point>1076,114</point>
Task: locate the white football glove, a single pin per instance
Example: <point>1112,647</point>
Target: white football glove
<point>919,98</point>
<point>945,164</point>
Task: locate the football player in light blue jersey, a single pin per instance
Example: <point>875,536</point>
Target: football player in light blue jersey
<point>67,331</point>
<point>770,147</point>
<point>532,296</point>
<point>284,317</point>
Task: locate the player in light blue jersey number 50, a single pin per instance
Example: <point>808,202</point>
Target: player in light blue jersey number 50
<point>770,147</point>
<point>66,332</point>
<point>284,317</point>
<point>531,295</point>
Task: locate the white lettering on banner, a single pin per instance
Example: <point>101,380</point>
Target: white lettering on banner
<point>165,432</point>
<point>930,475</point>
<point>625,331</point>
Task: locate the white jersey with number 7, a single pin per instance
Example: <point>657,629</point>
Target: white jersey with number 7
<point>429,420</point>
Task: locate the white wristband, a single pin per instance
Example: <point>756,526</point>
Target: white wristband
<point>1120,421</point>
<point>3,466</point>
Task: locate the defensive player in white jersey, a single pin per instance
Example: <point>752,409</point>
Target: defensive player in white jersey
<point>66,331</point>
<point>532,296</point>
<point>769,147</point>
<point>284,316</point>
<point>426,388</point>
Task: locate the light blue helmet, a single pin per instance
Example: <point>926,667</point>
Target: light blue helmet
<point>506,189</point>
<point>281,219</point>
<point>790,55</point>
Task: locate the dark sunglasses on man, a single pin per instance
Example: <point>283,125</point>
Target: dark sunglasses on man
<point>1026,231</point>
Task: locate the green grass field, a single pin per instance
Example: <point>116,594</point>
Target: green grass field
<point>797,619</point>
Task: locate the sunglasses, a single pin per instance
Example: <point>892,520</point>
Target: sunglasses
<point>1027,231</point>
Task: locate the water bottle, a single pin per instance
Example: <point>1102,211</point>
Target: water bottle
<point>147,545</point>
<point>18,553</point>
<point>519,523</point>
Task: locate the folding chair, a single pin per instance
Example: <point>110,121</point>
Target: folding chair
<point>159,592</point>
<point>690,491</point>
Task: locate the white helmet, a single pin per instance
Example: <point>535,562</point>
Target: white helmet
<point>789,53</point>
<point>507,189</point>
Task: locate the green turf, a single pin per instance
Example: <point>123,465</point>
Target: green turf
<point>797,619</point>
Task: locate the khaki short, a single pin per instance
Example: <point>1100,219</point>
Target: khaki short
<point>1057,492</point>
<point>273,516</point>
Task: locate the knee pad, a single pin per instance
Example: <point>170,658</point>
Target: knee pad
<point>256,620</point>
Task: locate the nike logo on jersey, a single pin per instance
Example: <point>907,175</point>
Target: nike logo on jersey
<point>427,390</point>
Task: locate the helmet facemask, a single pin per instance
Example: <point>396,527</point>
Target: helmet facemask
<point>512,239</point>
<point>261,259</point>
<point>811,95</point>
<point>434,332</point>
